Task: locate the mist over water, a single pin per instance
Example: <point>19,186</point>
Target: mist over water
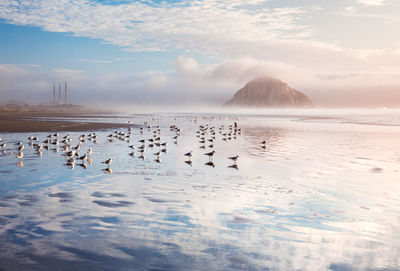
<point>323,194</point>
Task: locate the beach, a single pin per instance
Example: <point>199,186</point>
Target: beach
<point>320,194</point>
<point>14,122</point>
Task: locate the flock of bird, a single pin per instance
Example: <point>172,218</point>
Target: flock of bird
<point>75,154</point>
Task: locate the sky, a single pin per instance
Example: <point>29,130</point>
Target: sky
<point>339,53</point>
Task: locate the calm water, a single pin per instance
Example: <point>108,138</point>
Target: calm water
<point>323,195</point>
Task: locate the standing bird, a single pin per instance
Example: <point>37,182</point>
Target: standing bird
<point>210,154</point>
<point>108,161</point>
<point>20,147</point>
<point>83,157</point>
<point>189,154</point>
<point>234,158</point>
<point>3,146</point>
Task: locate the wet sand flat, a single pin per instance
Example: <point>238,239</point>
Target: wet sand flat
<point>317,195</point>
<point>15,122</point>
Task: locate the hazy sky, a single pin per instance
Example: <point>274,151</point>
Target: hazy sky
<point>337,52</point>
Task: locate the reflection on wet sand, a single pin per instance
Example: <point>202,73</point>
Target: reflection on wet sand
<point>307,201</point>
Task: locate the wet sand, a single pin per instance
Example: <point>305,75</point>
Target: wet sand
<point>13,122</point>
<point>319,195</point>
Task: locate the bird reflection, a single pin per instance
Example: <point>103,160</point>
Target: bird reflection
<point>108,170</point>
<point>83,165</point>
<point>189,162</point>
<point>210,163</point>
<point>235,166</point>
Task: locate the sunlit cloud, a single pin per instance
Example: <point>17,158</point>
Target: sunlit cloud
<point>246,38</point>
<point>371,2</point>
<point>137,26</point>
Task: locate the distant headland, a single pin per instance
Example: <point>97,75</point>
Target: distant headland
<point>269,92</point>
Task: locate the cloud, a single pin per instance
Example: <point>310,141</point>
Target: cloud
<point>371,2</point>
<point>95,61</point>
<point>248,38</point>
<point>140,26</point>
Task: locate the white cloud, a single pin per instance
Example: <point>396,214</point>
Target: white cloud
<point>249,38</point>
<point>137,26</point>
<point>95,61</point>
<point>371,2</point>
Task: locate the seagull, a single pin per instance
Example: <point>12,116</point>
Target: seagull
<point>108,161</point>
<point>210,154</point>
<point>189,154</point>
<point>83,157</point>
<point>234,158</point>
<point>21,147</point>
<point>70,153</point>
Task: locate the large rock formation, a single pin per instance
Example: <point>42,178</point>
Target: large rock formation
<point>269,92</point>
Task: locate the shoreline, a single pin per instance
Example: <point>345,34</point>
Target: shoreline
<point>19,122</point>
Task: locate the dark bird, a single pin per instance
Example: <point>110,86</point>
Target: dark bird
<point>234,158</point>
<point>108,161</point>
<point>210,154</point>
<point>189,154</point>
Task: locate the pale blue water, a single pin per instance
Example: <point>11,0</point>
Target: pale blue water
<point>323,195</point>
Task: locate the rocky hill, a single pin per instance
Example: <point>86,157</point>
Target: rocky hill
<point>269,92</point>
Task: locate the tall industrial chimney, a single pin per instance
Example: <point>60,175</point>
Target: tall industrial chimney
<point>54,93</point>
<point>59,92</point>
<point>65,93</point>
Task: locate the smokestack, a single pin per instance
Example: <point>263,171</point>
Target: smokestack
<point>54,93</point>
<point>59,92</point>
<point>65,92</point>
